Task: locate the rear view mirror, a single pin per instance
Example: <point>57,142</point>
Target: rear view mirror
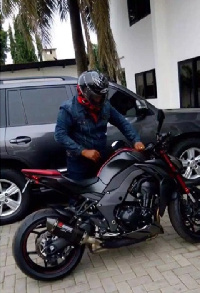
<point>160,119</point>
<point>141,107</point>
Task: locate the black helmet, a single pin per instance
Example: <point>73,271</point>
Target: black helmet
<point>94,87</point>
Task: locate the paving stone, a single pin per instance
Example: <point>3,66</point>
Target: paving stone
<point>174,289</point>
<point>188,281</point>
<point>109,285</point>
<point>155,285</point>
<point>166,264</point>
<point>182,261</point>
<point>9,282</point>
<point>167,267</point>
<point>123,287</point>
<point>154,274</point>
<point>94,281</point>
<point>97,290</point>
<point>124,277</point>
<point>185,270</point>
<point>78,288</point>
<point>110,273</point>
<point>139,281</point>
<point>171,278</point>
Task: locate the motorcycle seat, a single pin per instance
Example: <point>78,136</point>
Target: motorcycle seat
<point>82,183</point>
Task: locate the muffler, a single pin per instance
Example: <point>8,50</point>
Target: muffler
<point>71,234</point>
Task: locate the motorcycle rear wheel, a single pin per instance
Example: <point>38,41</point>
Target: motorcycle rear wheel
<point>182,224</point>
<point>28,259</point>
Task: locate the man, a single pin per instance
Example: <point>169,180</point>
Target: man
<point>82,126</point>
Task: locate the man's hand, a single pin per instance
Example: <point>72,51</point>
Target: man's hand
<point>91,155</point>
<point>139,146</point>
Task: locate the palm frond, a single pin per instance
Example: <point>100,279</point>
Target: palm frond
<point>86,8</point>
<point>8,7</point>
<point>63,9</point>
<point>107,53</point>
<point>84,16</point>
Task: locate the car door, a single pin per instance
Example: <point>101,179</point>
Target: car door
<point>2,123</point>
<point>129,106</point>
<point>31,118</point>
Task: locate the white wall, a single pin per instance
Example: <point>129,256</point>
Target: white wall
<point>171,33</point>
<point>176,37</point>
<point>48,71</point>
<point>134,44</point>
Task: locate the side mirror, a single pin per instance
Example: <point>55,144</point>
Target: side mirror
<point>141,107</point>
<point>160,119</point>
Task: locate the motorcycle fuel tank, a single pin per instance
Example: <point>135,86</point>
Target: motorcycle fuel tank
<point>121,160</point>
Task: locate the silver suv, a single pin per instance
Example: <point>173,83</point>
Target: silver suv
<point>29,108</point>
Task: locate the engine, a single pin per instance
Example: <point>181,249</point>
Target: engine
<point>138,212</point>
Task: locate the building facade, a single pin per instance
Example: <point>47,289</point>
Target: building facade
<point>158,42</point>
<point>64,67</point>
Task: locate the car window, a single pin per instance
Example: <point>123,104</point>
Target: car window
<point>2,110</point>
<point>122,102</point>
<point>42,104</point>
<point>16,115</point>
<point>74,90</point>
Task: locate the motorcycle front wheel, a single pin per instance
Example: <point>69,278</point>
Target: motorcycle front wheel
<point>31,237</point>
<point>185,217</point>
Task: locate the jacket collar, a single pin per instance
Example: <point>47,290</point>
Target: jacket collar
<point>80,108</point>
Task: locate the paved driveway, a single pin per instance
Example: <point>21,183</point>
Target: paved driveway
<point>163,265</point>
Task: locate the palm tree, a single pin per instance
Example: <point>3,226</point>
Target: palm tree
<point>99,11</point>
<point>38,14</point>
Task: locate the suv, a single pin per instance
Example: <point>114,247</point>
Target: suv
<point>29,108</point>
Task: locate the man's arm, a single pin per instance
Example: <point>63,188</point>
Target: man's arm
<point>126,128</point>
<point>62,133</point>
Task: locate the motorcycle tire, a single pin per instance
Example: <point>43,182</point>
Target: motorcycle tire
<point>23,257</point>
<point>176,218</point>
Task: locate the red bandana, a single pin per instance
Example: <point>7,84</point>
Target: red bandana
<point>93,110</point>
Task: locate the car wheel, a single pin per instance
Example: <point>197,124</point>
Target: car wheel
<point>13,202</point>
<point>189,153</point>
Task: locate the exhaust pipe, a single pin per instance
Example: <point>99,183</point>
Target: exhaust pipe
<point>58,228</point>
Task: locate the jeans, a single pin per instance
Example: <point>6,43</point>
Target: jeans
<point>80,168</point>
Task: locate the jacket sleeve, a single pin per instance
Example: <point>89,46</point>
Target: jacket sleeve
<point>123,125</point>
<point>63,129</point>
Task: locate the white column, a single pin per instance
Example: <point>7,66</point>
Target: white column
<point>165,64</point>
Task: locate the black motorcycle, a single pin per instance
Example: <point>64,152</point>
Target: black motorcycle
<point>121,206</point>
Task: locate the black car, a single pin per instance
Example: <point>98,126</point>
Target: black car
<point>29,107</point>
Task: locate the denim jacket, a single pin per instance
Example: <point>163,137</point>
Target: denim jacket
<point>76,130</point>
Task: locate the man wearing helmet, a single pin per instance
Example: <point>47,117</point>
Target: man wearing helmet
<point>82,126</point>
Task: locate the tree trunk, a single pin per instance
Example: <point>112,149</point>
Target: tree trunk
<point>77,36</point>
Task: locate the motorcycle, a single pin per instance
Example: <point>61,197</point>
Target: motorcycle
<point>121,206</point>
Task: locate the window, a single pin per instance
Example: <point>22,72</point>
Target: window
<point>138,9</point>
<point>42,104</point>
<point>16,115</point>
<point>123,103</point>
<point>189,83</point>
<point>146,84</point>
<point>2,109</point>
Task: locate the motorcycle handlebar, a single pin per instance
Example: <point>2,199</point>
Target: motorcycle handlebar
<point>161,138</point>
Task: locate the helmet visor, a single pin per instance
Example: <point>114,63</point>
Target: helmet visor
<point>96,99</point>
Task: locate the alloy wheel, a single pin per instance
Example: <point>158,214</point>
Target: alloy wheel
<point>10,197</point>
<point>191,162</point>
